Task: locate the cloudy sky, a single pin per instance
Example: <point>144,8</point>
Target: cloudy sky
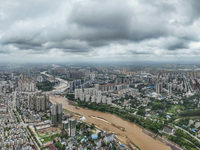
<point>99,30</point>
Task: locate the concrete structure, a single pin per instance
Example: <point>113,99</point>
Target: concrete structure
<point>92,76</point>
<point>72,127</point>
<point>169,89</point>
<point>59,110</point>
<point>56,114</point>
<point>27,85</point>
<point>75,84</point>
<point>65,125</point>
<point>159,88</point>
<point>38,101</point>
<point>113,87</point>
<point>109,138</point>
<point>40,78</point>
<point>92,95</point>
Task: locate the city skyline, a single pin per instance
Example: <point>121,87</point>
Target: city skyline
<point>90,106</point>
<point>93,30</point>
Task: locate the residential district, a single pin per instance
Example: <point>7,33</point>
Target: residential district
<point>71,107</point>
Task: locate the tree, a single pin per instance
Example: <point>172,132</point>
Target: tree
<point>88,147</point>
<point>92,126</point>
<point>141,111</point>
<point>58,145</point>
<point>63,147</point>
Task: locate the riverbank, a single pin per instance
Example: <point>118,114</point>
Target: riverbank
<point>132,132</point>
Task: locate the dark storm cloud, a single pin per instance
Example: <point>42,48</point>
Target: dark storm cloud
<point>102,19</point>
<point>95,26</point>
<point>23,44</point>
<point>110,22</point>
<point>75,46</point>
<point>176,44</point>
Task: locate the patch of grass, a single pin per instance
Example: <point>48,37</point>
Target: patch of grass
<point>49,138</point>
<point>174,108</point>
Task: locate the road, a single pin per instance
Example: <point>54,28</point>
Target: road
<point>188,133</point>
<point>27,131</point>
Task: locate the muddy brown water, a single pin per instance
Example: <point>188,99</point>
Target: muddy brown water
<point>133,132</point>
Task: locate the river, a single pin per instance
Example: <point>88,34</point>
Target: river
<point>63,85</point>
<point>105,121</point>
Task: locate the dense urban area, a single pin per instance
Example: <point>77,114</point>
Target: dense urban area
<point>91,106</point>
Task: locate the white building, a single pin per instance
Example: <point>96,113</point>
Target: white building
<point>27,85</point>
<point>91,95</point>
<point>87,98</point>
<point>109,100</point>
<point>109,138</point>
<point>103,99</point>
<point>169,89</point>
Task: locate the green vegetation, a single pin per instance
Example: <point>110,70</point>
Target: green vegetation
<point>45,117</point>
<point>190,113</point>
<point>65,136</point>
<point>70,97</point>
<point>141,111</point>
<point>16,116</point>
<point>145,123</point>
<point>156,105</point>
<point>181,133</point>
<point>184,140</point>
<point>19,111</point>
<point>184,121</point>
<point>59,146</point>
<point>49,138</point>
<point>45,85</point>
<point>6,129</point>
<point>175,108</point>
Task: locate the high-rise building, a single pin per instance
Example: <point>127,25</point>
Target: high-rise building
<point>31,101</point>
<point>27,85</point>
<point>72,127</point>
<point>159,88</point>
<point>65,125</point>
<point>75,84</point>
<point>149,80</point>
<point>38,101</point>
<point>169,89</point>
<point>96,86</point>
<point>69,126</point>
<point>59,110</point>
<point>56,114</point>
